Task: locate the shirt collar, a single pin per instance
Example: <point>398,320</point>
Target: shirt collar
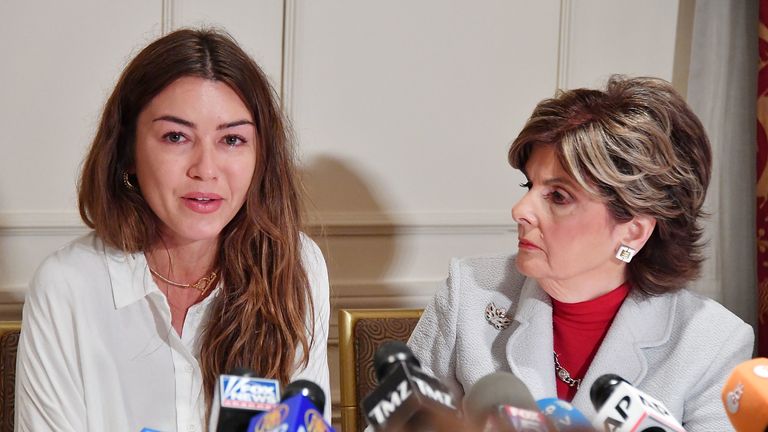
<point>129,276</point>
<point>131,280</point>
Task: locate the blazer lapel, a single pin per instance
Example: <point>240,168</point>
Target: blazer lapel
<point>641,322</point>
<point>529,348</point>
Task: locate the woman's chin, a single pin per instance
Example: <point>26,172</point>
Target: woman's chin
<point>530,266</point>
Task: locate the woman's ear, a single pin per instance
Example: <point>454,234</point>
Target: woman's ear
<point>638,231</point>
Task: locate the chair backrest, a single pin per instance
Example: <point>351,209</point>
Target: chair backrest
<point>361,331</point>
<point>9,342</point>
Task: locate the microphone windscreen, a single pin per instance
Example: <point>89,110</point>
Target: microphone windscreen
<point>745,396</point>
<point>564,416</point>
<point>602,388</point>
<point>309,390</point>
<point>389,354</point>
<point>495,390</point>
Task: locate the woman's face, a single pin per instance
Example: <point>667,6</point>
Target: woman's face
<point>196,150</point>
<point>567,238</point>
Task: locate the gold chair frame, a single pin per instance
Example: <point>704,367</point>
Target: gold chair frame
<point>348,318</point>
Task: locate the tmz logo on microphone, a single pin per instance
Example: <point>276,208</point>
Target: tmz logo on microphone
<point>248,392</point>
<point>404,391</point>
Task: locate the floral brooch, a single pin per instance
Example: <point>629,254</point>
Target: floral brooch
<point>497,317</point>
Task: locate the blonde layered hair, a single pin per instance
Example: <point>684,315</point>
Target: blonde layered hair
<point>639,148</point>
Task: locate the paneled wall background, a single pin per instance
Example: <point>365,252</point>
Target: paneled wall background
<point>403,112</point>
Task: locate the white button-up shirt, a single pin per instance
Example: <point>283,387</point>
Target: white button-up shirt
<point>98,353</point>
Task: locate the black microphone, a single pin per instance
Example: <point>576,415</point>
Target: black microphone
<point>239,396</point>
<point>406,398</point>
<point>500,402</point>
<point>300,410</point>
<point>622,408</point>
<point>309,390</point>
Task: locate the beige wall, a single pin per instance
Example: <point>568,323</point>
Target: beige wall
<point>403,111</point>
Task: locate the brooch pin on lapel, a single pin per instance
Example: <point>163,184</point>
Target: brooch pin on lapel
<point>497,317</point>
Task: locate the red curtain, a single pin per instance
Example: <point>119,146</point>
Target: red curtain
<point>762,183</point>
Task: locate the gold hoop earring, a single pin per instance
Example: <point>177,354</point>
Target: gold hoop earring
<point>127,182</point>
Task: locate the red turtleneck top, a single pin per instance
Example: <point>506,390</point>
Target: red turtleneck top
<point>579,329</point>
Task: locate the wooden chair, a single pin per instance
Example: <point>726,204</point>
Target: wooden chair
<point>361,331</point>
<point>9,342</point>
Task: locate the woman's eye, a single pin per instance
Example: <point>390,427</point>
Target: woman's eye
<point>234,140</point>
<point>558,198</point>
<point>528,185</point>
<point>174,137</point>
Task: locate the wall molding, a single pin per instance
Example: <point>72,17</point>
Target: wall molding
<point>167,17</point>
<point>329,223</point>
<point>563,46</point>
<point>288,51</point>
<point>41,223</point>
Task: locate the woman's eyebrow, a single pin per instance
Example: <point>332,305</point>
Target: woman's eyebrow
<point>235,124</point>
<point>559,180</point>
<point>189,124</point>
<point>174,119</point>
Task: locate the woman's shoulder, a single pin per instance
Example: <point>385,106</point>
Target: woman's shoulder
<point>698,310</point>
<point>310,251</point>
<point>73,264</point>
<point>73,256</point>
<point>314,264</point>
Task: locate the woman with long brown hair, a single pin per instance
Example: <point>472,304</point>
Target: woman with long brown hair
<point>196,264</point>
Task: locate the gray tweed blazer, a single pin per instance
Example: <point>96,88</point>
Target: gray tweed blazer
<point>679,348</point>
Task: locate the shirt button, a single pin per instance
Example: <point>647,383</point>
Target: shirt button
<point>189,369</point>
<point>192,428</point>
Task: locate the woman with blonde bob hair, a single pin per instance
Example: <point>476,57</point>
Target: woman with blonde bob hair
<point>196,264</point>
<point>609,236</point>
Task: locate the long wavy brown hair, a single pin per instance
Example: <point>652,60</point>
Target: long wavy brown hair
<point>265,298</point>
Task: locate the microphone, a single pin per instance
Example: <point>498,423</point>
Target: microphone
<point>297,412</point>
<point>622,408</point>
<point>500,402</point>
<point>564,416</point>
<point>406,398</point>
<point>745,396</point>
<point>239,396</point>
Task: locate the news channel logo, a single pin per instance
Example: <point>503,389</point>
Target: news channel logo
<point>271,420</point>
<point>314,421</point>
<point>249,392</point>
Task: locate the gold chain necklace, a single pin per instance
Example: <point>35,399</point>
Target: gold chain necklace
<point>201,285</point>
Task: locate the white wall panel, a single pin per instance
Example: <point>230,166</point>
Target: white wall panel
<point>60,60</point>
<point>408,107</point>
<point>619,36</point>
<point>256,25</point>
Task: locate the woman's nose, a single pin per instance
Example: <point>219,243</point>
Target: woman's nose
<point>523,212</point>
<point>203,165</point>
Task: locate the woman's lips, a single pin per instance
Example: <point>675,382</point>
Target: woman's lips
<point>524,244</point>
<point>202,202</point>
